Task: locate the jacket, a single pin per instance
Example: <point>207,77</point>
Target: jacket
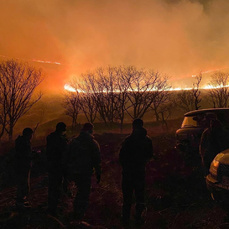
<point>84,155</point>
<point>23,153</point>
<point>135,151</point>
<point>55,149</point>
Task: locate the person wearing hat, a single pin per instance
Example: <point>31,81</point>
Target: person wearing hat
<point>23,165</point>
<point>83,159</point>
<point>55,149</point>
<point>135,152</point>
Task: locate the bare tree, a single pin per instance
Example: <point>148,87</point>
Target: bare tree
<point>87,102</point>
<point>113,92</point>
<point>71,104</point>
<point>17,84</point>
<point>100,85</point>
<point>165,111</point>
<point>89,107</point>
<point>158,103</point>
<point>144,87</point>
<point>3,113</point>
<point>219,94</point>
<point>196,91</point>
<point>185,100</point>
<point>121,95</point>
<point>189,100</point>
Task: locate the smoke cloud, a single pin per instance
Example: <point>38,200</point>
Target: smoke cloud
<point>176,37</point>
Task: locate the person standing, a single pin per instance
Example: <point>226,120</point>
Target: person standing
<point>55,150</point>
<point>214,140</point>
<point>23,166</point>
<point>136,151</point>
<point>83,158</point>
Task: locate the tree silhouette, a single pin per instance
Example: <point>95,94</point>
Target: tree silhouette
<point>71,104</point>
<point>189,100</point>
<point>219,94</point>
<point>144,88</point>
<point>17,84</point>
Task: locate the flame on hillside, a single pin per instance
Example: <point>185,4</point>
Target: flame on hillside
<point>69,88</point>
<point>34,60</point>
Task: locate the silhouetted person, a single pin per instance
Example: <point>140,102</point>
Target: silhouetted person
<point>136,150</point>
<point>23,166</point>
<point>56,148</point>
<point>83,158</point>
<point>214,140</point>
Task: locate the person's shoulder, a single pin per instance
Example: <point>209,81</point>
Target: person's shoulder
<point>127,139</point>
<point>51,135</point>
<point>19,140</point>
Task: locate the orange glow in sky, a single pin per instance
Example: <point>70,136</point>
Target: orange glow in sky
<point>178,38</point>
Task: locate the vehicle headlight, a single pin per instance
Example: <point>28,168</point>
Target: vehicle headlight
<point>214,168</point>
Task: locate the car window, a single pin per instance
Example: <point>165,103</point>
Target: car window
<point>200,120</point>
<point>189,122</point>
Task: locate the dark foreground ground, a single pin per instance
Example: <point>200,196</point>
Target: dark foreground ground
<point>176,196</point>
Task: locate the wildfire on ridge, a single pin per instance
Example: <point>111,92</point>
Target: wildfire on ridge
<point>34,60</point>
<point>46,62</point>
<point>206,87</point>
<point>69,88</point>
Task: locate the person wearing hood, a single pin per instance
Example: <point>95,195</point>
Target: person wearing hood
<point>55,149</point>
<point>83,159</point>
<point>23,166</point>
<point>135,152</point>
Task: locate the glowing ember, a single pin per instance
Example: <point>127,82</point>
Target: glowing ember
<point>69,88</point>
<point>34,60</point>
<point>46,62</point>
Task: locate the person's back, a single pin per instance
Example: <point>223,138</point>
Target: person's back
<point>23,158</point>
<point>84,154</point>
<point>83,157</point>
<point>23,152</point>
<point>55,149</point>
<point>136,150</point>
<point>56,146</point>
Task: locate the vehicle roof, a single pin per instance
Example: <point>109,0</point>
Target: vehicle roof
<point>202,111</point>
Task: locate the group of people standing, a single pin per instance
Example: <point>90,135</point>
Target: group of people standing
<point>78,159</point>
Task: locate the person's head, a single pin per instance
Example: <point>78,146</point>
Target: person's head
<point>137,123</point>
<point>60,127</point>
<point>27,133</point>
<point>88,127</point>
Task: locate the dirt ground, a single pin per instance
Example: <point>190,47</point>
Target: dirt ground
<point>176,195</point>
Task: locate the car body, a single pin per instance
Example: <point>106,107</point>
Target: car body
<point>217,180</point>
<point>194,122</point>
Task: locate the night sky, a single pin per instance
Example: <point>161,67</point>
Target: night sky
<point>176,37</point>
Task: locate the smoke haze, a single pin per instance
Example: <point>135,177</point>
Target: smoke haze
<point>177,37</point>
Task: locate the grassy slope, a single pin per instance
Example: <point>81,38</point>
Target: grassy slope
<point>175,193</point>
